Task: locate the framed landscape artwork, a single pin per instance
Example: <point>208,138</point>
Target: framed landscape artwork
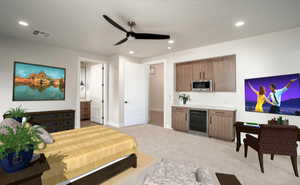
<point>275,94</point>
<point>34,82</point>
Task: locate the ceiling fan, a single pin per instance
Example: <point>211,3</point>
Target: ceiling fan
<point>132,34</point>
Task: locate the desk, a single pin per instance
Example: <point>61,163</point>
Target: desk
<point>240,127</point>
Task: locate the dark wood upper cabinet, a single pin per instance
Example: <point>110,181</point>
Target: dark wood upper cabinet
<point>184,77</point>
<point>225,74</point>
<point>202,70</point>
<point>221,70</point>
<point>196,71</point>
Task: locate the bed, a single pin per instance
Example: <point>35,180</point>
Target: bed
<point>80,152</point>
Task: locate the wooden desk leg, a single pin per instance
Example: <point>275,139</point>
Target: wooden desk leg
<point>238,139</point>
<point>272,156</point>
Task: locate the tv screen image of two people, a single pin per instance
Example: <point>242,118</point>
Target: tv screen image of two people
<point>276,94</point>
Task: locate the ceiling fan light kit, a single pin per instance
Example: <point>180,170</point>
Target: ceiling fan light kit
<point>131,34</point>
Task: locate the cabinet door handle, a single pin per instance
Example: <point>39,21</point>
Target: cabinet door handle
<point>203,75</point>
<point>186,115</point>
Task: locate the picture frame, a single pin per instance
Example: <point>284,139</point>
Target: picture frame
<point>278,94</point>
<point>36,82</point>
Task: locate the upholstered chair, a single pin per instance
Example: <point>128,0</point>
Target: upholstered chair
<point>274,140</point>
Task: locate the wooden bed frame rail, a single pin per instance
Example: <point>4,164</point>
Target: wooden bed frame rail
<point>107,172</point>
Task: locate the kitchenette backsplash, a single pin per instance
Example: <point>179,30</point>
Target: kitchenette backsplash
<point>206,98</point>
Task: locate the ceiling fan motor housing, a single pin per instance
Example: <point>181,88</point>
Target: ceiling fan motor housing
<point>131,24</point>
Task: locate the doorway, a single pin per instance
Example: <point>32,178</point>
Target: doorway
<point>156,94</point>
<point>91,93</point>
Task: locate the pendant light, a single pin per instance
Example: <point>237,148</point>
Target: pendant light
<point>81,83</point>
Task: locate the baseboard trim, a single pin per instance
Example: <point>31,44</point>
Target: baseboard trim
<point>136,124</point>
<point>113,124</point>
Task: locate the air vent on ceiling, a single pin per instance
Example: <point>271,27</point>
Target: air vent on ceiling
<point>40,33</point>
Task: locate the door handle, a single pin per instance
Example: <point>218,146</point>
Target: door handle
<point>203,75</point>
<point>220,113</point>
<point>125,102</point>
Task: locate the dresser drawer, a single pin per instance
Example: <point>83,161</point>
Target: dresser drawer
<point>180,109</point>
<point>222,113</point>
<point>69,115</point>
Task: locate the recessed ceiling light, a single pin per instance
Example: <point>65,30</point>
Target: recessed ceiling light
<point>239,23</point>
<point>169,48</point>
<point>23,23</point>
<point>131,52</point>
<point>171,41</point>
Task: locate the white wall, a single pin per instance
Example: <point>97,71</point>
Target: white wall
<point>265,55</point>
<point>113,95</point>
<point>84,80</point>
<point>30,52</point>
<point>156,87</point>
<point>85,91</point>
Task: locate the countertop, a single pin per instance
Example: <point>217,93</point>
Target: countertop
<point>197,106</point>
<point>83,100</point>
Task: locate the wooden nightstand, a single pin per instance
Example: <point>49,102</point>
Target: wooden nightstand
<point>29,176</point>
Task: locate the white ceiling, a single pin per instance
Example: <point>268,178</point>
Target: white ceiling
<point>77,24</point>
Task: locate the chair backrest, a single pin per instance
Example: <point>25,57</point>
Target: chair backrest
<point>278,139</point>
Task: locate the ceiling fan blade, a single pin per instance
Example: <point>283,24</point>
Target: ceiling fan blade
<point>121,41</point>
<point>150,36</point>
<point>114,23</point>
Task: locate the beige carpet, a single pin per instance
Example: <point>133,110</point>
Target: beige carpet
<point>212,153</point>
<point>143,162</point>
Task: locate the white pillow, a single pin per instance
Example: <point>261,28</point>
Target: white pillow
<point>8,122</point>
<point>44,135</point>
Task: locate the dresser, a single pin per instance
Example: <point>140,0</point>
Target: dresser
<point>53,121</point>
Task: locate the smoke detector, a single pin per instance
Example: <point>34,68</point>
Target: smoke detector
<point>40,33</point>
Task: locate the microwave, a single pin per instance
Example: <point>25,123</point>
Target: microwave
<point>202,86</point>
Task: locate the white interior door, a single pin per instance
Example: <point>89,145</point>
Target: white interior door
<point>96,92</point>
<point>135,92</point>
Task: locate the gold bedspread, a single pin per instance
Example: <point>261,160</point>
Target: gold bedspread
<point>79,151</point>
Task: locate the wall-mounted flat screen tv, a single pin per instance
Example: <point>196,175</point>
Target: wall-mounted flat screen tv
<point>275,94</point>
<point>34,82</point>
